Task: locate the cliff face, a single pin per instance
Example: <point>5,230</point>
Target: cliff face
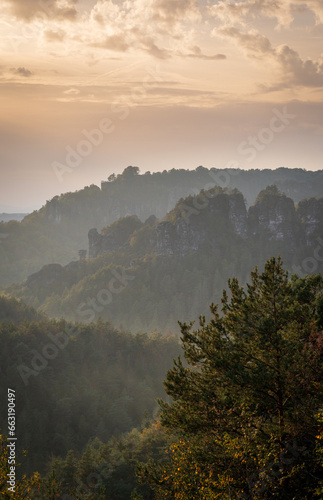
<point>238,214</point>
<point>310,213</point>
<point>171,269</point>
<point>206,219</point>
<point>178,238</point>
<point>213,221</point>
<point>275,218</point>
<point>54,211</point>
<point>65,220</point>
<point>201,223</point>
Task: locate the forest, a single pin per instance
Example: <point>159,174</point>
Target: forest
<point>161,250</point>
<point>56,232</point>
<point>169,354</point>
<point>241,416</point>
<point>146,276</point>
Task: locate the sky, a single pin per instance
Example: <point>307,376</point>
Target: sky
<point>89,87</point>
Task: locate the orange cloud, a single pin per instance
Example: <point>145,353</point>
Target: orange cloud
<point>30,9</point>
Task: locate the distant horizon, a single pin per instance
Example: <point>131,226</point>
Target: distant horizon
<point>91,86</point>
<point>27,209</point>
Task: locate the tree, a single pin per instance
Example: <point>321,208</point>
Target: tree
<point>270,191</point>
<point>244,409</point>
<point>130,172</point>
<point>24,488</point>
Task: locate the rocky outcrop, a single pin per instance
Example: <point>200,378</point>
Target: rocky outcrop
<point>114,237</point>
<point>211,217</point>
<point>201,222</point>
<point>178,238</point>
<point>238,214</point>
<point>310,213</point>
<point>95,243</point>
<point>275,218</point>
<point>53,210</point>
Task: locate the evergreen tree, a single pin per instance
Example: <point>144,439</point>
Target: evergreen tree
<point>245,405</point>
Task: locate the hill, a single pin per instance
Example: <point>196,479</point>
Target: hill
<point>56,232</point>
<point>148,275</point>
<point>76,381</point>
<point>16,311</point>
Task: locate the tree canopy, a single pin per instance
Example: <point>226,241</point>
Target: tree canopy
<point>246,402</point>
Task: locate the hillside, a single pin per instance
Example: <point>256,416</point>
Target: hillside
<point>56,232</point>
<point>77,381</point>
<point>148,275</point>
<point>14,311</point>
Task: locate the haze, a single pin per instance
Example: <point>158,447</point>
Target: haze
<point>171,83</point>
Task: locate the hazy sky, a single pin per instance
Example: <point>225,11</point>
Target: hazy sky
<point>89,87</point>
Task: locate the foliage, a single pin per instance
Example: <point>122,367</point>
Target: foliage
<point>16,311</point>
<point>179,266</point>
<point>24,488</point>
<point>270,191</point>
<point>107,470</point>
<point>57,231</point>
<point>244,408</point>
<point>77,381</point>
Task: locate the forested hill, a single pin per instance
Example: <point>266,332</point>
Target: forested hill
<point>57,232</point>
<point>148,275</point>
<point>75,382</point>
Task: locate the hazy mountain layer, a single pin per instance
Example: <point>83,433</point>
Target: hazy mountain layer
<point>4,217</point>
<point>76,382</point>
<point>146,275</point>
<point>56,232</point>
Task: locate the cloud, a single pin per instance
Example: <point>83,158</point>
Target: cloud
<point>55,9</point>
<point>21,72</point>
<point>292,69</point>
<point>229,12</point>
<point>283,11</point>
<point>171,12</point>
<point>113,42</point>
<point>160,28</point>
<point>198,54</point>
<point>155,51</point>
<point>315,6</point>
<point>72,91</point>
<point>54,36</point>
<point>253,43</point>
<point>299,72</point>
<point>166,17</point>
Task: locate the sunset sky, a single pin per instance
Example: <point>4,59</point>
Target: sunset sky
<point>89,87</point>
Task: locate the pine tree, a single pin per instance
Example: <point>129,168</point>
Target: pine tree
<point>245,402</point>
